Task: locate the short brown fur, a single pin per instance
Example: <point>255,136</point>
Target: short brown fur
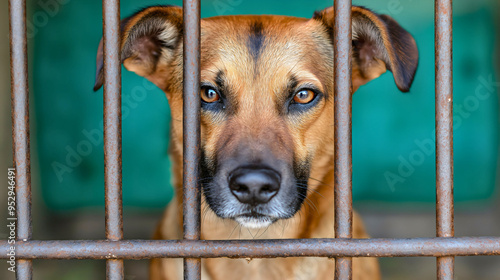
<point>257,58</point>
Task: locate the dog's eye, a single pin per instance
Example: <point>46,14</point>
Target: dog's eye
<point>303,100</point>
<point>304,96</point>
<point>209,95</point>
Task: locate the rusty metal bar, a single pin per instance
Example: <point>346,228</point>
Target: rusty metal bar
<point>444,131</point>
<point>191,130</point>
<point>342,131</point>
<point>114,269</point>
<point>112,131</point>
<point>20,128</point>
<point>334,247</point>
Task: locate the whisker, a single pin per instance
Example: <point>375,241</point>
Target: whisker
<point>309,202</point>
<point>253,237</point>
<point>237,224</point>
<point>309,189</point>
<point>264,231</point>
<point>323,183</point>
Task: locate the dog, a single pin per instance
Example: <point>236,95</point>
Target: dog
<point>267,98</point>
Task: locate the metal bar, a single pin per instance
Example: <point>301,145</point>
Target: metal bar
<point>114,269</point>
<point>444,131</point>
<point>24,269</point>
<point>112,131</point>
<point>334,247</point>
<point>20,127</point>
<point>191,130</point>
<point>342,131</point>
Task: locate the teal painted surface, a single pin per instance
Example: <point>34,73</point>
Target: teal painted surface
<point>386,123</point>
<point>393,133</point>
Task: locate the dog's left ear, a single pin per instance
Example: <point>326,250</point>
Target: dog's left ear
<point>379,43</point>
<point>151,39</point>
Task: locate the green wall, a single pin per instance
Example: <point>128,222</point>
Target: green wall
<point>393,144</point>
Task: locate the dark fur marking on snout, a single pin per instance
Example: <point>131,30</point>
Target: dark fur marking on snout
<point>256,39</point>
<point>301,170</point>
<point>288,93</point>
<point>207,173</point>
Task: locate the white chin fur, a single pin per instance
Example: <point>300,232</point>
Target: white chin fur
<point>254,223</point>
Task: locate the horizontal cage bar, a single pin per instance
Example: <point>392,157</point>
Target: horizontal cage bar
<point>336,247</point>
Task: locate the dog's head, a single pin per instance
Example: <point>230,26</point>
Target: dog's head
<point>266,95</point>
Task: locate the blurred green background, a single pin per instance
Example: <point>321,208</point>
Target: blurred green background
<point>393,146</point>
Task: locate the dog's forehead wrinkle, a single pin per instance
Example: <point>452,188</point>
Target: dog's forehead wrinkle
<point>270,39</point>
<point>256,39</point>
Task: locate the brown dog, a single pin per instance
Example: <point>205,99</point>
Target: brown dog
<point>267,126</point>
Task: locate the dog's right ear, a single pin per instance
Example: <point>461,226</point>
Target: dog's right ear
<point>379,44</point>
<point>150,40</point>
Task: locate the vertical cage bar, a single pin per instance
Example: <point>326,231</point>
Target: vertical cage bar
<point>191,129</point>
<point>20,127</point>
<point>444,131</point>
<point>112,131</point>
<point>342,130</point>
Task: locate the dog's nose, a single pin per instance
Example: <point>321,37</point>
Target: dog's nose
<point>254,186</point>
